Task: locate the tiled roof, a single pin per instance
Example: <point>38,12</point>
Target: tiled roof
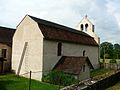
<point>6,35</point>
<point>72,64</point>
<point>53,31</point>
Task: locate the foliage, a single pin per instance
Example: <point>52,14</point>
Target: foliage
<point>118,61</point>
<point>108,61</point>
<point>109,50</point>
<point>113,61</point>
<point>116,51</point>
<point>13,82</point>
<point>105,61</point>
<point>99,71</point>
<point>59,78</point>
<point>106,48</point>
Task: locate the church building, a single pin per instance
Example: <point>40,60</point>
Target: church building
<point>41,46</point>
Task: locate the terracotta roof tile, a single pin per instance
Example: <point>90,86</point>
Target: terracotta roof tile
<point>53,31</point>
<point>6,35</point>
<point>72,64</point>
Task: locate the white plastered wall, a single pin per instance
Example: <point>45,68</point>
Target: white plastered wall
<point>77,50</point>
<point>50,57</point>
<point>86,74</point>
<point>28,31</point>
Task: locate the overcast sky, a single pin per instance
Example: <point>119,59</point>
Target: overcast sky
<point>104,14</point>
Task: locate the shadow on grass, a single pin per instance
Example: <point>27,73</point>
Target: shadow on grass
<point>4,83</point>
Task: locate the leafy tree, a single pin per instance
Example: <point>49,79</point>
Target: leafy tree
<point>110,51</point>
<point>116,51</point>
<point>106,49</point>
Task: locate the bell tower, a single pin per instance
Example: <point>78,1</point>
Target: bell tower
<point>86,26</point>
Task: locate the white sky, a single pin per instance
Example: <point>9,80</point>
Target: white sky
<point>105,14</point>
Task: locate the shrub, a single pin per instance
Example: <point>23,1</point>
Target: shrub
<point>59,78</point>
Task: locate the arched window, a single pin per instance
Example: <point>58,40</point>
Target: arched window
<point>82,27</point>
<point>59,49</point>
<point>84,53</point>
<point>86,26</point>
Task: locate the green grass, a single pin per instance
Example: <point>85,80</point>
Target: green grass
<point>100,71</point>
<point>12,82</point>
<point>108,60</point>
<point>115,87</point>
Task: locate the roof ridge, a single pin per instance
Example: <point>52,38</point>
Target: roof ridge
<point>49,23</point>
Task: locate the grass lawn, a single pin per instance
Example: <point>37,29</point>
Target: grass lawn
<point>108,60</point>
<point>115,87</point>
<point>100,71</point>
<point>12,82</point>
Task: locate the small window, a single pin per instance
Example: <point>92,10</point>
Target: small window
<point>82,27</point>
<point>93,28</point>
<point>86,26</point>
<point>59,49</point>
<point>84,53</point>
<point>4,52</point>
<point>83,68</point>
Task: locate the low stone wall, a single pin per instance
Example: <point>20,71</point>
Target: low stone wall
<point>101,84</point>
<point>112,65</point>
<point>104,83</point>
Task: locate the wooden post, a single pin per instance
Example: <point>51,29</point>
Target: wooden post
<point>59,82</point>
<point>2,71</point>
<point>2,64</point>
<point>30,81</point>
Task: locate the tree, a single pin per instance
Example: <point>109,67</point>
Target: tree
<point>106,50</point>
<point>116,51</point>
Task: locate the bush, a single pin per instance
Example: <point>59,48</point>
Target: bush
<point>59,78</point>
<point>112,61</point>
